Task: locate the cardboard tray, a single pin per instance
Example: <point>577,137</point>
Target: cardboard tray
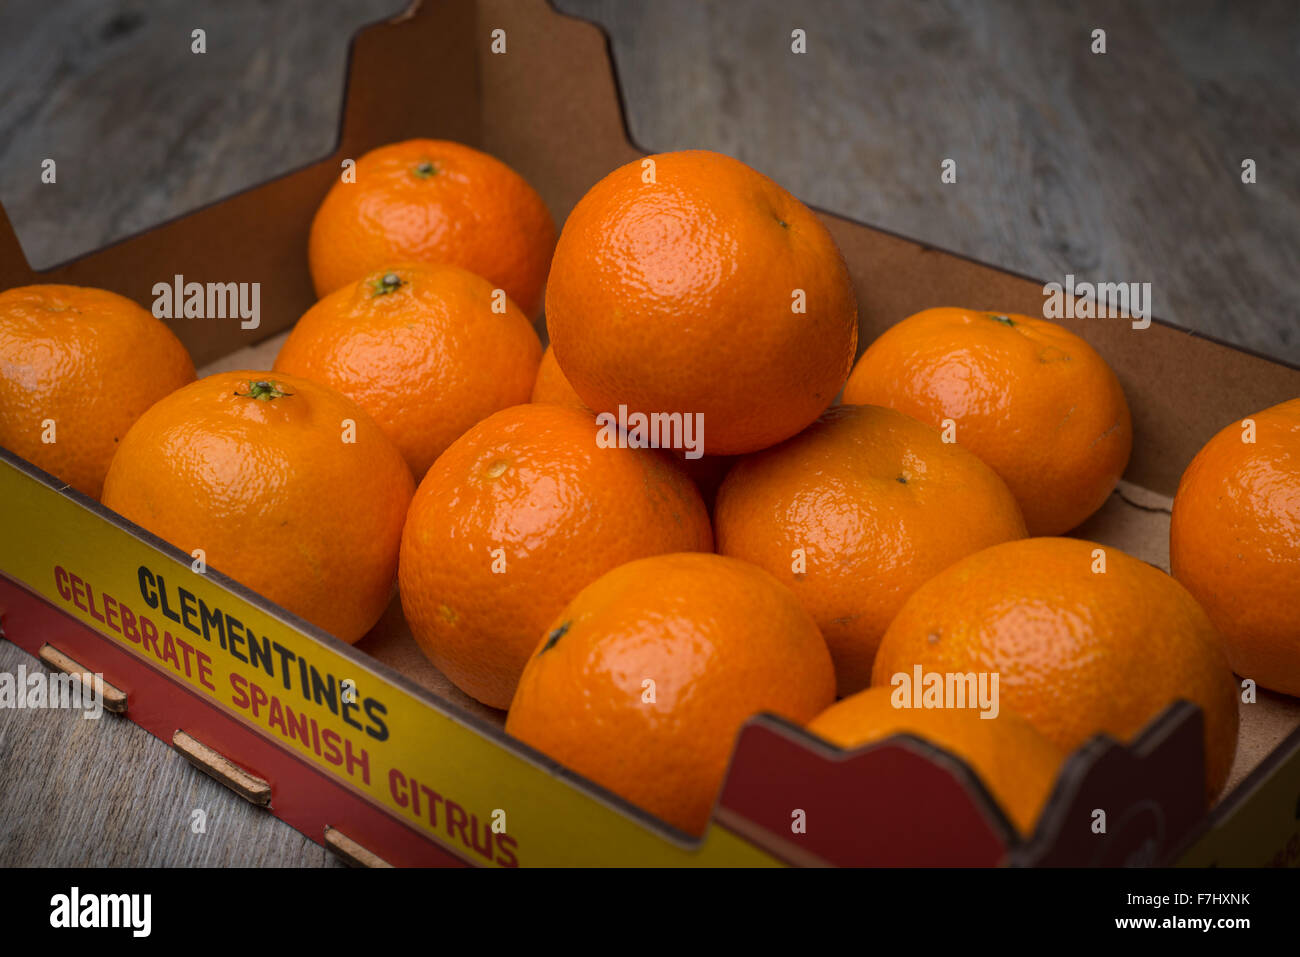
<point>440,782</point>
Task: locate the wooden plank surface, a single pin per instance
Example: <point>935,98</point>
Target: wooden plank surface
<point>105,793</point>
<point>1124,166</point>
<point>1119,167</point>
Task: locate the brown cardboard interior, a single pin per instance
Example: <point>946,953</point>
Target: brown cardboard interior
<point>549,107</point>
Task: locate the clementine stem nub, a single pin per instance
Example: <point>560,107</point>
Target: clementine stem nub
<point>264,390</point>
<point>389,282</point>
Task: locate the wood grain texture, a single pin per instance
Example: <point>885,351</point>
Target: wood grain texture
<point>1120,167</point>
<point>1117,167</point>
<point>106,793</point>
<point>143,129</point>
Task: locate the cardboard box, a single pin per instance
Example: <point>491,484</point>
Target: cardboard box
<point>428,787</point>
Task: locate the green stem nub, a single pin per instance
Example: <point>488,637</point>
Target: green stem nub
<point>388,282</point>
<point>263,390</point>
<point>425,168</point>
<point>1005,320</point>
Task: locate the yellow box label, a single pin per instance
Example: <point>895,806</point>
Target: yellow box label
<point>1262,831</point>
<point>463,786</point>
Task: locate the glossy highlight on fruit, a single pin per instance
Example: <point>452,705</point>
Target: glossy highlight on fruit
<point>1029,397</point>
<point>77,367</point>
<point>690,283</point>
<point>426,350</point>
<point>642,682</point>
<point>1235,542</point>
<point>512,521</point>
<point>287,487</point>
<point>434,201</point>
<point>854,514</point>
<point>1084,638</point>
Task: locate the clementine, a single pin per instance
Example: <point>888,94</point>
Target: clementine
<point>642,683</point>
<point>1027,396</point>
<point>706,471</point>
<point>287,487</point>
<point>856,512</point>
<point>1012,759</point>
<point>517,516</point>
<point>434,201</point>
<point>77,367</point>
<point>551,385</point>
<point>426,350</point>
<point>1085,640</point>
<point>690,283</point>
<point>1235,542</point>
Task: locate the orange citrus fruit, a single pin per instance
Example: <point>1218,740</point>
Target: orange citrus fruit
<point>1013,760</point>
<point>1027,396</point>
<point>287,487</point>
<point>434,201</point>
<point>551,385</point>
<point>513,520</point>
<point>856,512</point>
<point>1084,640</point>
<point>642,683</point>
<point>706,471</point>
<point>698,285</point>
<point>426,350</point>
<point>77,367</point>
<point>1235,542</point>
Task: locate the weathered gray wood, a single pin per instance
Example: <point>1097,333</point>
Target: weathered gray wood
<point>105,793</point>
<point>1124,166</point>
<point>143,129</point>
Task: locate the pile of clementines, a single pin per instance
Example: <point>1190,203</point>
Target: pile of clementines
<point>632,606</point>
